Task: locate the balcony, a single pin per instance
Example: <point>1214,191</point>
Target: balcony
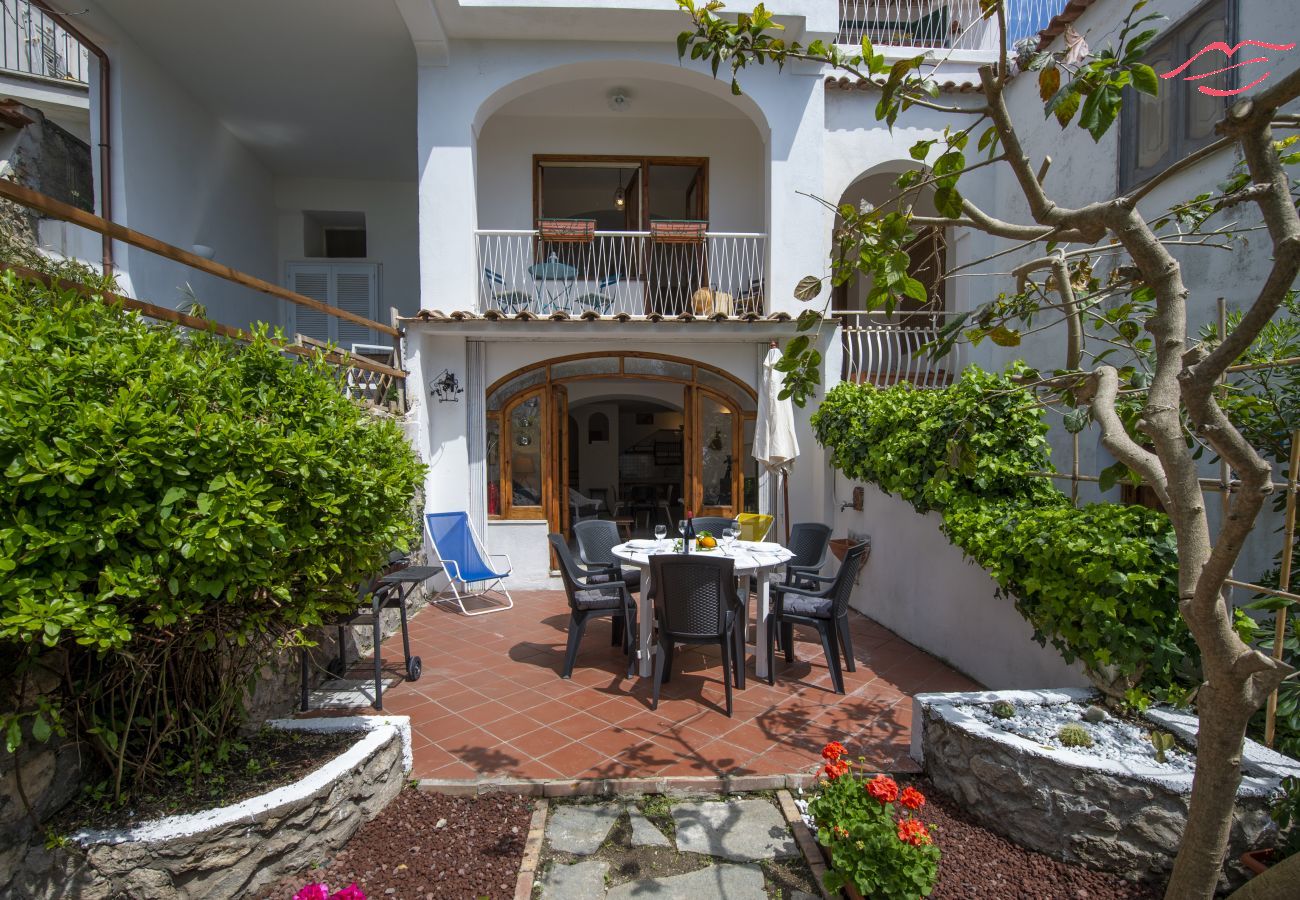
<point>32,44</point>
<point>673,269</point>
<point>885,351</point>
<point>939,24</point>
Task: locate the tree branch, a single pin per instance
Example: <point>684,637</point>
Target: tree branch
<point>1116,439</point>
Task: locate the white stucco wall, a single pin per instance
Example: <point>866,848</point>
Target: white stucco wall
<point>181,176</point>
<point>733,147</point>
<point>392,229</point>
<point>922,588</point>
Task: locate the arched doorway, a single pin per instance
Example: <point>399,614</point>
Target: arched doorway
<point>529,429</point>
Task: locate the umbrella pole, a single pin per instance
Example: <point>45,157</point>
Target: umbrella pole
<point>785,494</point>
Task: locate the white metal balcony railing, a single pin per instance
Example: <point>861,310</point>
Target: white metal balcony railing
<point>622,272</point>
<point>950,24</point>
<point>882,353</point>
<point>32,44</point>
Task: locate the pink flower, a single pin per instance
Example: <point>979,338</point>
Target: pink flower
<point>317,891</point>
<point>351,892</point>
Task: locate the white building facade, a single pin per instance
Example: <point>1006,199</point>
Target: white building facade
<point>597,240</point>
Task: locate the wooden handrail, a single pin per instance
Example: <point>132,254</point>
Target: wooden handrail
<point>189,321</point>
<point>68,213</point>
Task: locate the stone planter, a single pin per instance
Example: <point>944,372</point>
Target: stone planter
<point>1125,817</point>
<point>231,851</point>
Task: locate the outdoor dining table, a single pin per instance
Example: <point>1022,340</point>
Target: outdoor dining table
<point>555,282</point>
<point>752,559</point>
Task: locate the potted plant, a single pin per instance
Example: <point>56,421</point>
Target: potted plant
<point>1286,815</point>
<point>869,831</point>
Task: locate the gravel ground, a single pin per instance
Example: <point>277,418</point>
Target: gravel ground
<point>1113,739</point>
<point>428,847</point>
<point>979,865</point>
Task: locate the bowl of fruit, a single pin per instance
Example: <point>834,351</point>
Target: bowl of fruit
<point>706,541</point>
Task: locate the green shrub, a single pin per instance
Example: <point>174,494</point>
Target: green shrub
<point>174,508</point>
<point>1099,582</point>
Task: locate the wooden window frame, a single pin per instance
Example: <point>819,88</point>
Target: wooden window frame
<point>506,442</point>
<point>641,162</point>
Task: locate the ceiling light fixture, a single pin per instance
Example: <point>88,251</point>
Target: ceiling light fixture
<point>620,197</point>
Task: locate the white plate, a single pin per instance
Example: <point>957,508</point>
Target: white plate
<point>642,545</point>
<point>765,550</point>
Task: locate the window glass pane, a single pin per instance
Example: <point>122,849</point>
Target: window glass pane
<point>516,385</point>
<point>635,365</point>
<point>716,450</point>
<point>494,466</point>
<point>726,387</point>
<point>600,365</point>
<point>1202,111</point>
<point>526,453</point>
<point>1154,117</point>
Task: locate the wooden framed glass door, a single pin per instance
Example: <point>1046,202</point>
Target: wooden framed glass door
<point>557,469</point>
<point>714,453</point>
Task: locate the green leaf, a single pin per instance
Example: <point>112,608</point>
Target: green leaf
<point>1145,79</point>
<point>1049,82</point>
<point>808,288</point>
<point>40,728</point>
<point>808,320</point>
<point>13,735</point>
<point>1004,337</point>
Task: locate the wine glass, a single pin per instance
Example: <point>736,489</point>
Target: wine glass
<point>661,532</point>
<point>728,539</point>
<point>736,530</point>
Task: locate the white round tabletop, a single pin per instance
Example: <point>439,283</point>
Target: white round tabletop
<point>748,556</point>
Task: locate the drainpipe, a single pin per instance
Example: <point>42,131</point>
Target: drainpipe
<point>105,157</point>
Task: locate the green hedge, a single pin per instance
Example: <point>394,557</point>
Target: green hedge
<point>174,508</point>
<point>1099,582</point>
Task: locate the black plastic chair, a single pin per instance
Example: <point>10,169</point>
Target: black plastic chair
<point>696,604</point>
<point>593,593</point>
<point>712,524</point>
<point>810,543</point>
<point>597,539</point>
<point>826,609</point>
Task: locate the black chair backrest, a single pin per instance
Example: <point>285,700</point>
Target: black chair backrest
<point>711,524</point>
<point>808,543</point>
<point>693,593</point>
<point>597,539</point>
<point>569,571</point>
<point>842,587</point>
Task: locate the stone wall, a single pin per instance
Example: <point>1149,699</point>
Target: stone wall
<point>232,850</point>
<point>1126,819</point>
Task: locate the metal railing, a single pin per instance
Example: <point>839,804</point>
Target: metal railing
<point>949,24</point>
<point>31,43</point>
<point>622,272</point>
<point>882,353</point>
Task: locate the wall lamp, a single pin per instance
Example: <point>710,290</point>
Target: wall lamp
<point>446,387</point>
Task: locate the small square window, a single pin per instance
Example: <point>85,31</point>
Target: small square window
<point>1157,131</point>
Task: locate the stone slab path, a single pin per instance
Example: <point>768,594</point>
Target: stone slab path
<point>724,843</point>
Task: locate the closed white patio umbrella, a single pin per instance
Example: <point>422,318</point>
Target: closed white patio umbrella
<point>775,443</point>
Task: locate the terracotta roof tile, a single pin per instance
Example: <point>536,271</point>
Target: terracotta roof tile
<point>1062,20</point>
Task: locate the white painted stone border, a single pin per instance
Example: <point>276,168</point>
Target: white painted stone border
<point>1261,767</point>
<point>379,730</point>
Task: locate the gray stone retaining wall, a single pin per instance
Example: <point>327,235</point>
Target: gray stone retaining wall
<point>1125,818</point>
<point>227,852</point>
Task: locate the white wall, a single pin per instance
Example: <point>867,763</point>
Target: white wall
<point>733,146</point>
<point>179,175</point>
<point>922,588</point>
<point>392,229</point>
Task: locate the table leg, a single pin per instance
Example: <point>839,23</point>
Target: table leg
<point>645,621</point>
<point>760,632</point>
<point>743,592</point>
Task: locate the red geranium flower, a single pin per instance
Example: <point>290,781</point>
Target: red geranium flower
<point>910,831</point>
<point>835,768</point>
<point>912,798</point>
<point>833,751</point>
<point>883,788</point>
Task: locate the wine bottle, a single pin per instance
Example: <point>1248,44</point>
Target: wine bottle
<point>688,539</point>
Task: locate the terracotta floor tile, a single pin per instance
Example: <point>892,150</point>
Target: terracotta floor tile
<point>491,701</point>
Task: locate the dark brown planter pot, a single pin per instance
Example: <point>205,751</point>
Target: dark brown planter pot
<point>1257,861</point>
<point>840,546</point>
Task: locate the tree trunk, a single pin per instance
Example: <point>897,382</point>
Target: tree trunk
<point>1219,741</point>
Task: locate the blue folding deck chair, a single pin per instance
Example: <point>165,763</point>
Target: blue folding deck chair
<point>459,551</point>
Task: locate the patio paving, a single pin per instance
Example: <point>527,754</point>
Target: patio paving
<point>491,702</point>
